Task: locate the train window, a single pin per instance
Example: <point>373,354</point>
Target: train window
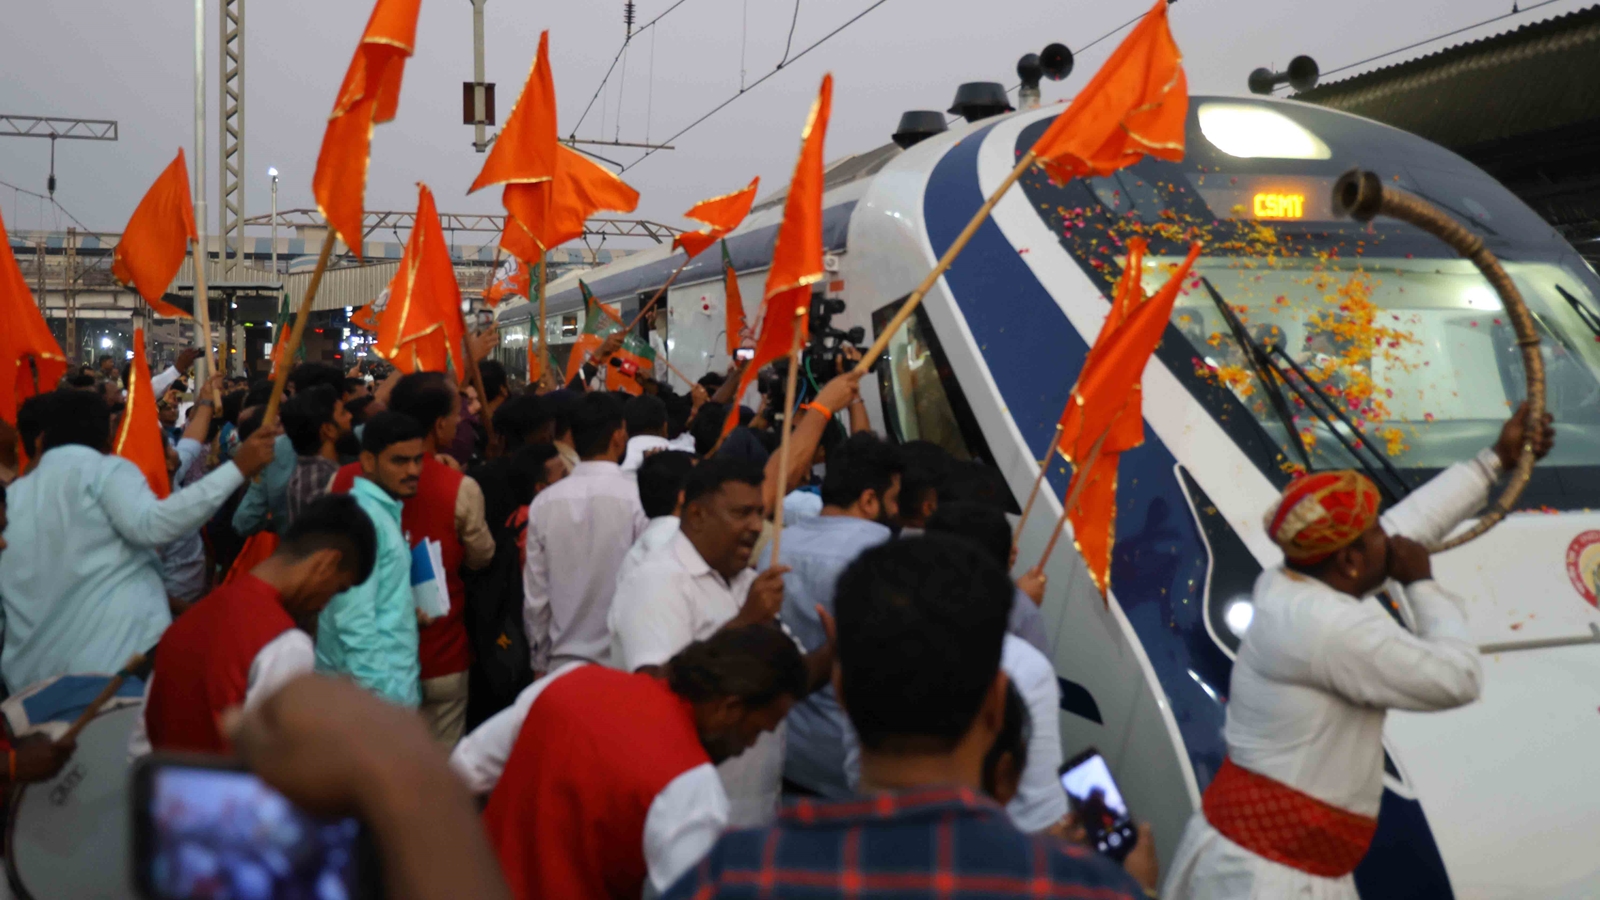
<point>921,398</point>
<point>569,325</point>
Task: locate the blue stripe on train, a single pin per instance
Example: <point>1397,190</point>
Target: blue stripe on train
<point>1159,566</point>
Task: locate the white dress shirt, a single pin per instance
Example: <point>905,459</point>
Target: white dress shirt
<point>668,602</point>
<point>1040,801</point>
<point>638,446</point>
<point>683,822</point>
<point>579,531</point>
<point>282,660</point>
<point>659,532</point>
<point>1316,673</point>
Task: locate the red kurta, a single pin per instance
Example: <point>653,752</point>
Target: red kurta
<point>442,645</point>
<point>567,817</point>
<point>203,663</point>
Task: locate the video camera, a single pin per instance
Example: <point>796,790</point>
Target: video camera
<point>821,356</point>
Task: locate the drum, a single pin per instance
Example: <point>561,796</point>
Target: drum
<point>69,837</point>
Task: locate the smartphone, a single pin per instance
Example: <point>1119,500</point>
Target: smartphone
<point>1093,794</point>
<point>744,354</point>
<point>204,827</point>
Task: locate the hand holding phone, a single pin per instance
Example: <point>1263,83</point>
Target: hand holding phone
<point>1097,802</point>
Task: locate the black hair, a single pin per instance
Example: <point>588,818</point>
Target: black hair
<point>920,624</point>
<point>927,465</point>
<point>426,397</point>
<point>864,462</point>
<point>709,477</point>
<point>232,404</point>
<point>259,394</point>
<point>308,375</point>
<point>334,522</point>
<point>707,427</point>
<point>833,435</point>
<point>756,664</point>
<point>711,381</point>
<point>527,470</point>
<point>82,381</point>
<point>386,429</point>
<point>1015,732</point>
<point>493,373</point>
<point>661,477</point>
<point>984,525</point>
<point>353,384</point>
<point>644,415</point>
<point>303,416</point>
<point>65,417</point>
<point>974,481</point>
<point>103,358</point>
<point>357,408</point>
<point>520,418</point>
<point>679,409</point>
<point>561,405</point>
<point>595,419</point>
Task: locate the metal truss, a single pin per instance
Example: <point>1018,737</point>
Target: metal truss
<point>51,127</point>
<point>375,220</point>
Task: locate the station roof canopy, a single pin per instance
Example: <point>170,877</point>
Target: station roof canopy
<point>1523,105</point>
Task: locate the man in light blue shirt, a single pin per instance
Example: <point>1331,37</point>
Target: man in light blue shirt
<point>370,631</point>
<point>81,585</point>
<point>860,496</point>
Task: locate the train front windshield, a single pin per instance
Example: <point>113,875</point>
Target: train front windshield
<point>1319,343</point>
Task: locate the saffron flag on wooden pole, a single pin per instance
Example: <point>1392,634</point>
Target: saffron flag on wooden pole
<point>156,239</point>
<point>139,438</point>
<point>31,362</point>
<point>421,328</point>
<point>581,189</point>
<point>721,215</point>
<point>1135,105</point>
<point>733,304</point>
<point>369,95</point>
<point>1104,415</point>
<point>796,257</point>
<point>524,152</point>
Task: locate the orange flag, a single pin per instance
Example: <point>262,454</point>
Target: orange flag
<point>550,214</point>
<point>139,436</point>
<point>31,362</point>
<point>733,303</point>
<point>1135,105</point>
<point>420,329</point>
<point>525,150</point>
<point>723,214</point>
<point>365,318</point>
<point>1104,415</point>
<point>369,95</point>
<point>157,238</point>
<point>797,255</point>
<point>510,279</point>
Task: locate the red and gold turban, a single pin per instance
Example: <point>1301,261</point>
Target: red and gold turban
<point>1322,513</point>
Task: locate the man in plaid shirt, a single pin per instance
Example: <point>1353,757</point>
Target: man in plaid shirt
<point>920,625</point>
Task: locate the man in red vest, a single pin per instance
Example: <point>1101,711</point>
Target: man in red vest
<point>601,782</point>
<point>447,508</point>
<point>240,643</point>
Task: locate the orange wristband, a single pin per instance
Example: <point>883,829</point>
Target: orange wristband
<point>814,405</point>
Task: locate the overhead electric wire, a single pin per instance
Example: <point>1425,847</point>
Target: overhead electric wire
<point>52,201</point>
<point>789,41</point>
<point>1515,11</point>
<point>744,90</point>
<point>613,66</point>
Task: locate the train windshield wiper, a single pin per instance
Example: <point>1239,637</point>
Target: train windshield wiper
<point>1583,312</point>
<point>1274,366</point>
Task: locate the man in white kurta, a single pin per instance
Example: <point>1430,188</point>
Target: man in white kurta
<point>1316,673</point>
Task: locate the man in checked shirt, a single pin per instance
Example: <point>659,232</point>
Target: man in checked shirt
<point>920,627</point>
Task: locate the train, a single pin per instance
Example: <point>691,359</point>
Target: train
<point>1393,357</point>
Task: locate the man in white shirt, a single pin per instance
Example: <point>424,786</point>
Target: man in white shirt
<point>601,783</point>
<point>646,420</point>
<point>697,584</point>
<point>661,494</point>
<point>1317,671</point>
<point>579,530</point>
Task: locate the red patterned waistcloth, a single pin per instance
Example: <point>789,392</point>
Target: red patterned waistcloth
<point>1277,822</point>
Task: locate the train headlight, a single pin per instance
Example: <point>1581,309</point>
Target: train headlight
<point>1257,132</point>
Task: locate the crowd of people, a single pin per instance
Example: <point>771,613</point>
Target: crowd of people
<point>662,663</point>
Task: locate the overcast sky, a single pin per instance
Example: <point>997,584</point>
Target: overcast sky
<point>132,60</point>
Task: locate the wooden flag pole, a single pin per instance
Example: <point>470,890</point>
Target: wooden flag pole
<point>1072,499</point>
<point>297,333</point>
<point>544,344</point>
<point>1044,467</point>
<point>202,311</point>
<point>915,300</point>
<point>659,294</point>
<point>474,373</point>
<point>783,447</point>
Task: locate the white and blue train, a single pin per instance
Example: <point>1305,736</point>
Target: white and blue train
<point>1497,799</point>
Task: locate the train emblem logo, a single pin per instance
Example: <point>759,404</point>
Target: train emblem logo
<point>1583,565</point>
